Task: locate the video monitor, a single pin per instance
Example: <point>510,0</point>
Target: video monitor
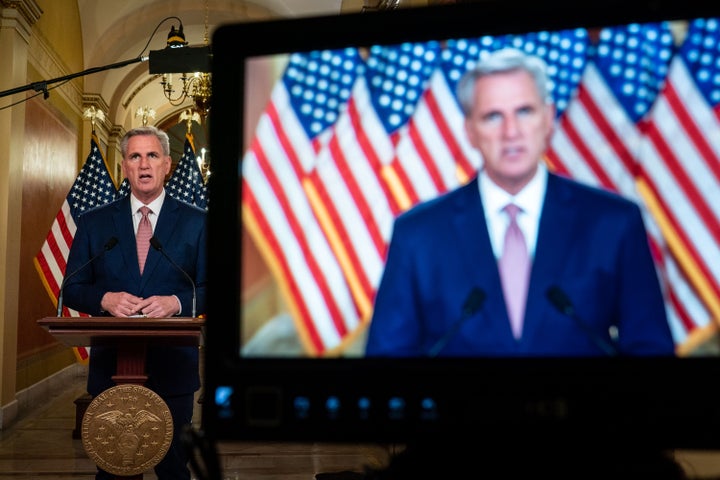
<point>325,130</point>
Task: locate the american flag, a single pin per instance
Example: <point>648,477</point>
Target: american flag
<point>92,187</point>
<point>123,189</point>
<point>280,193</point>
<point>598,139</point>
<point>680,174</point>
<point>320,204</point>
<point>356,175</point>
<point>186,182</point>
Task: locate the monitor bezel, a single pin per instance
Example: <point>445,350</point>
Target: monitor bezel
<point>666,401</point>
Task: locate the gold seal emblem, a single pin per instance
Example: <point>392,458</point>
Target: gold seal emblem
<point>127,429</point>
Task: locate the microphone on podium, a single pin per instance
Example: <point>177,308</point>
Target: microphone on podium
<point>473,303</point>
<point>562,303</point>
<point>109,245</point>
<point>158,246</point>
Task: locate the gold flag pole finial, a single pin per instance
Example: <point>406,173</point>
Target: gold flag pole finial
<point>188,116</point>
<point>146,113</point>
<point>93,114</point>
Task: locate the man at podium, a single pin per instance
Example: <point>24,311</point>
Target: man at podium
<point>161,273</point>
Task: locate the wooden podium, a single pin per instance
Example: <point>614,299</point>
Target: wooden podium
<point>131,337</point>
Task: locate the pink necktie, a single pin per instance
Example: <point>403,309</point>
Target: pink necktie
<point>143,237</point>
<point>514,268</point>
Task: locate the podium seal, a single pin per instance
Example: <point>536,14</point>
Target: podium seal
<point>127,429</point>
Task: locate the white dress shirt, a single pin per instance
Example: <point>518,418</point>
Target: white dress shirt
<point>155,206</point>
<point>529,199</point>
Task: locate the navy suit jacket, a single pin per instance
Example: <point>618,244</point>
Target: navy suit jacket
<point>591,243</point>
<point>181,230</point>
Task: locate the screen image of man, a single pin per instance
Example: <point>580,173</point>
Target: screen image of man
<point>519,261</point>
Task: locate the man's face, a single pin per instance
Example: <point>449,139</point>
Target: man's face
<point>146,167</point>
<point>511,127</point>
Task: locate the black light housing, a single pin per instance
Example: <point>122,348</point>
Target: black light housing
<point>177,57</point>
<point>180,60</point>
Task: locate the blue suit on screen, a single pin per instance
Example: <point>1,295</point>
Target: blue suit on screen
<point>591,243</point>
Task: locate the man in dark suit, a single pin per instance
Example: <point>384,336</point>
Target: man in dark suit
<point>592,288</point>
<point>113,285</point>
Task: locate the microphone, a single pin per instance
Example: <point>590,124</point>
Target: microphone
<point>562,303</point>
<point>473,303</point>
<point>109,245</point>
<point>158,246</point>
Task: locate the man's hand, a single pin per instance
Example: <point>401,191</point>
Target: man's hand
<point>159,306</point>
<point>123,304</point>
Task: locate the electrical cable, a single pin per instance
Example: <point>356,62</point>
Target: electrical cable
<point>42,86</point>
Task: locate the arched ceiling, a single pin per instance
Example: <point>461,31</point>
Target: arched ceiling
<point>115,31</point>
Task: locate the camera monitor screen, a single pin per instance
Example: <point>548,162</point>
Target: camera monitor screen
<point>350,295</point>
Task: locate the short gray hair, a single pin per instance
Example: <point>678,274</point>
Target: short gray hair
<point>146,130</point>
<point>502,61</point>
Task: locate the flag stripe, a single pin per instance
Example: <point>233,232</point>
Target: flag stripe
<point>292,257</point>
<point>256,222</point>
<point>690,125</point>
